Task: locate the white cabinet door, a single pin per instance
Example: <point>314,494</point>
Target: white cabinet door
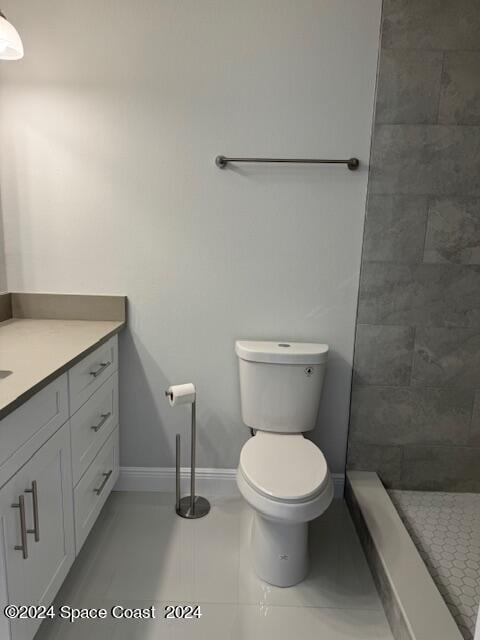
<point>45,483</point>
<point>12,564</point>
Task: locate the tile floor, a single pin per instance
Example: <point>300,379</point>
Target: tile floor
<point>140,553</point>
<point>446,530</point>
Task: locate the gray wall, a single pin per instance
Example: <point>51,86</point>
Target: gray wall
<point>109,128</point>
<point>415,412</point>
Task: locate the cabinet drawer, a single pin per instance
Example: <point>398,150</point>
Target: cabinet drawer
<point>89,374</point>
<point>93,489</point>
<point>92,424</point>
<point>24,430</point>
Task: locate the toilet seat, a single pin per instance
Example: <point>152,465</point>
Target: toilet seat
<point>284,467</point>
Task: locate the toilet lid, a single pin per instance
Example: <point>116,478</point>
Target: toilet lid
<point>283,466</point>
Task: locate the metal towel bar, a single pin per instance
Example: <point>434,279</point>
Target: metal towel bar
<point>223,161</point>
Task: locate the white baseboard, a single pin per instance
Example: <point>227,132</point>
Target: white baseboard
<point>210,482</point>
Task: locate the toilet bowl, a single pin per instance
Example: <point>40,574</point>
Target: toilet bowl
<point>286,481</point>
<point>282,476</point>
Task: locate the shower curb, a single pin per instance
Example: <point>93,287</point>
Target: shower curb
<point>413,605</point>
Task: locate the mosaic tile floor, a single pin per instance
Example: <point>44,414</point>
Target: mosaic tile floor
<point>446,530</point>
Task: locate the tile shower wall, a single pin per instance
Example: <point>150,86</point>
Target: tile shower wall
<point>415,413</point>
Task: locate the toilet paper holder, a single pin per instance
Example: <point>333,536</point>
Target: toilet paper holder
<point>192,506</point>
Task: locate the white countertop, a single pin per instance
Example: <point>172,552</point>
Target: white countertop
<point>37,351</point>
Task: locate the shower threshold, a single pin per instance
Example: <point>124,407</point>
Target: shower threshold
<point>413,604</point>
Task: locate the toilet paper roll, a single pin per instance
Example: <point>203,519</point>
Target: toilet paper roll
<point>181,394</point>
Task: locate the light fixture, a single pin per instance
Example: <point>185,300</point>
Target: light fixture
<point>11,47</point>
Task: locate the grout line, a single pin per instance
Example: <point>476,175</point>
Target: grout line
<point>456,447</point>
<point>430,125</point>
<point>452,265</point>
<point>379,324</point>
<point>433,49</point>
<point>412,445</point>
<point>427,220</point>
<point>440,196</point>
<point>470,426</point>
<point>418,387</point>
<point>228,603</point>
<point>440,91</point>
<point>402,464</point>
<point>412,360</point>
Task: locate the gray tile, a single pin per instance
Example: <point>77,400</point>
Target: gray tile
<point>441,468</point>
<point>460,93</point>
<point>425,159</point>
<point>395,228</point>
<point>453,231</point>
<point>422,295</point>
<point>408,87</point>
<point>446,356</point>
<point>383,355</point>
<point>431,24</point>
<point>385,460</point>
<point>409,415</point>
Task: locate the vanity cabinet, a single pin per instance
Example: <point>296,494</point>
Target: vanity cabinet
<point>58,463</point>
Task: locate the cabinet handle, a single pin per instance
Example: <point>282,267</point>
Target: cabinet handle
<point>105,417</point>
<point>102,367</point>
<point>36,528</point>
<point>23,528</point>
<point>105,480</point>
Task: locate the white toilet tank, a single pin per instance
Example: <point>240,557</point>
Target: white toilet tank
<point>281,384</point>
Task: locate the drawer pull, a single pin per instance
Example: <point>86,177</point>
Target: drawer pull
<point>105,480</point>
<point>105,417</point>
<point>102,367</point>
<point>36,529</point>
<point>23,527</point>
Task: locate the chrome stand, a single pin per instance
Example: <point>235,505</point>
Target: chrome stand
<point>191,506</point>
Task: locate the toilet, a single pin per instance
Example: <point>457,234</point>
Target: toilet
<point>282,475</point>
